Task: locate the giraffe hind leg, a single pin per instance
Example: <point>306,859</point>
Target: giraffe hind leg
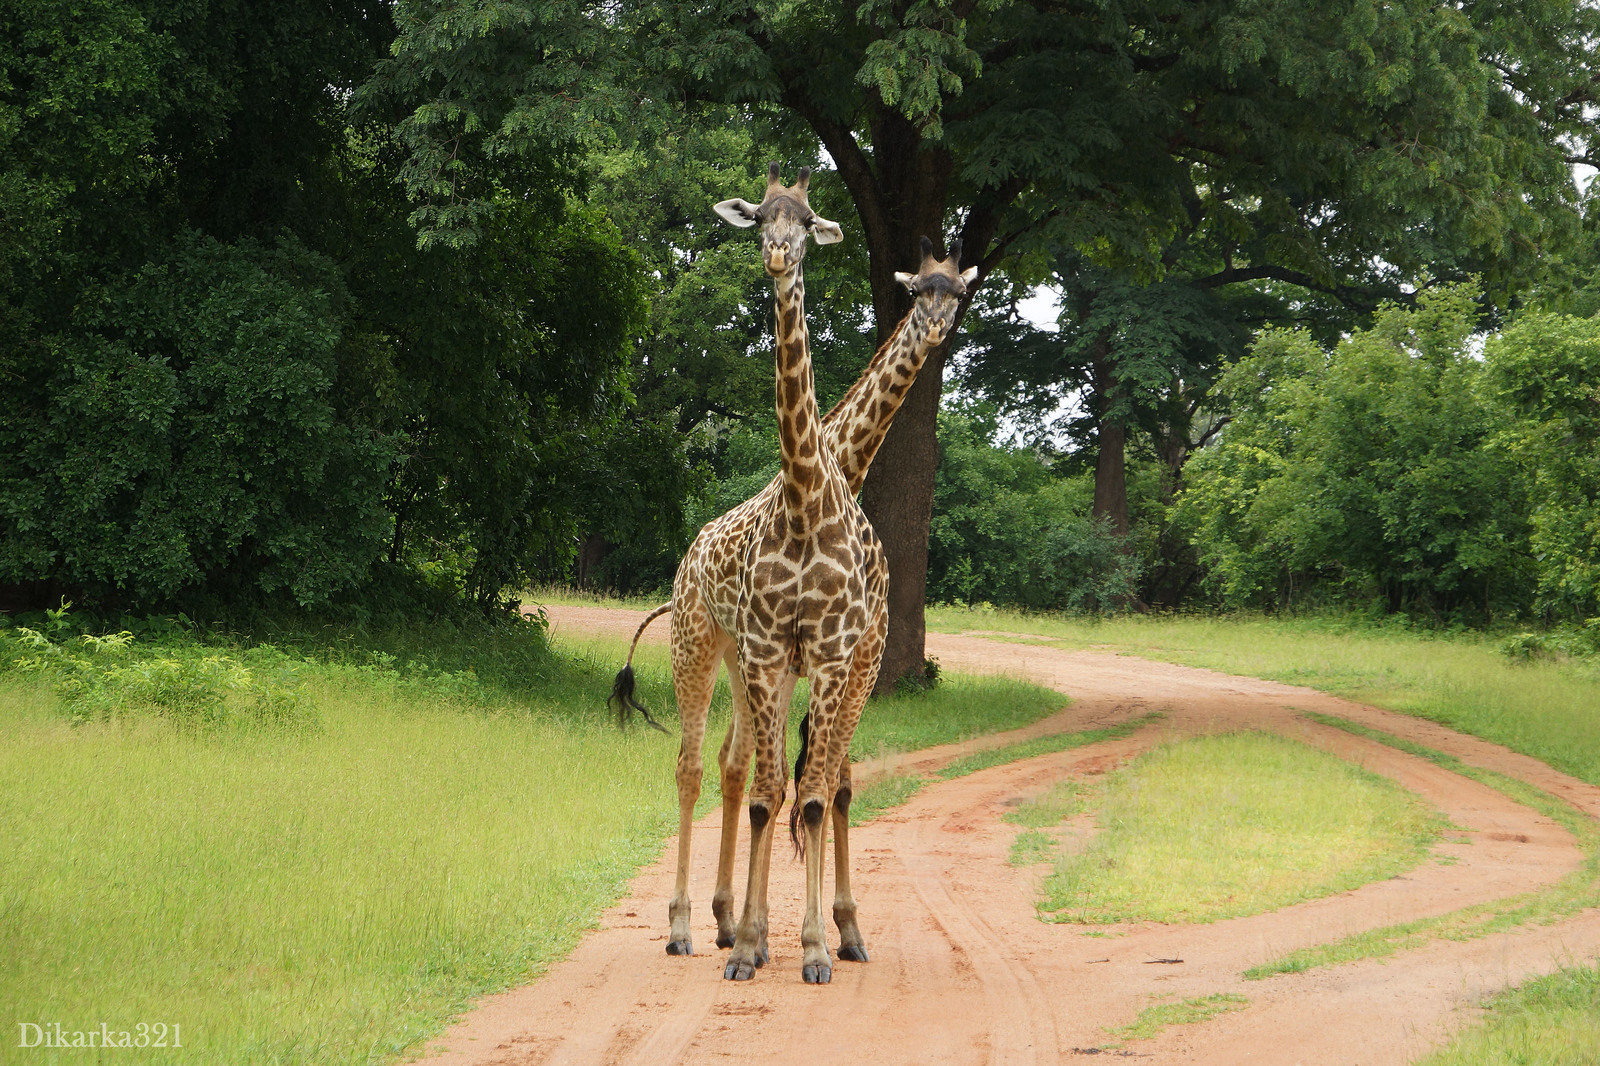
<point>863,675</point>
<point>831,724</point>
<point>697,646</point>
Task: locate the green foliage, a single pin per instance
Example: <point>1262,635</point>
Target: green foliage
<point>231,375</point>
<point>98,678</point>
<point>185,428</point>
<point>1545,372</point>
<point>1368,469</point>
<point>1007,530</point>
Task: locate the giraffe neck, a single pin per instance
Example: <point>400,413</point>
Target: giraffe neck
<point>799,426</point>
<point>855,428</point>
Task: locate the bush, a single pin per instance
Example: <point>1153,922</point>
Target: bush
<point>98,678</point>
<point>1007,530</point>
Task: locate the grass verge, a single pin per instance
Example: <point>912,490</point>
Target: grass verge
<point>1576,891</point>
<point>1046,745</point>
<point>1155,1018</point>
<point>1226,826</point>
<point>1551,1021</point>
<point>1543,709</point>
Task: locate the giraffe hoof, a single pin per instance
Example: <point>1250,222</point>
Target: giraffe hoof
<point>853,952</point>
<point>680,947</point>
<point>724,940</point>
<point>817,973</point>
<point>738,971</point>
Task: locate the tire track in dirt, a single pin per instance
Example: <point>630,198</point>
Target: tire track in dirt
<point>964,972</point>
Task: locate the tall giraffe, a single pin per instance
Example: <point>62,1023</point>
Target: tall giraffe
<point>807,599</point>
<point>852,432</point>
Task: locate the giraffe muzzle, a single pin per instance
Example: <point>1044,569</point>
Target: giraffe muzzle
<point>778,258</point>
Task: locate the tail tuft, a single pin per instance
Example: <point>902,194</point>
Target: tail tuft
<point>622,698</point>
<point>799,766</point>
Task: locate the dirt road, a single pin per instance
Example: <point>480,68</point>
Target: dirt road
<point>963,972</point>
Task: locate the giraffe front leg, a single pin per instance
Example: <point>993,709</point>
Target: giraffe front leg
<point>852,947</point>
<point>768,690</point>
<point>817,966</point>
<point>696,651</point>
<point>750,943</point>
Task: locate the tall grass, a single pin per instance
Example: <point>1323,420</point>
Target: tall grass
<point>326,897</point>
<point>1545,709</point>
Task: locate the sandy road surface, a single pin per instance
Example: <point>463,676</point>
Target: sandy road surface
<point>963,972</point>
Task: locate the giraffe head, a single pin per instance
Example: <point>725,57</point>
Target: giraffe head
<point>939,287</point>
<point>786,217</point>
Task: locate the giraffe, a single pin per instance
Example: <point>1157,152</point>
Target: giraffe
<point>852,432</point>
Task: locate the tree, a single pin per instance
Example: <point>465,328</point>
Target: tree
<point>1332,147</point>
<point>1545,371</point>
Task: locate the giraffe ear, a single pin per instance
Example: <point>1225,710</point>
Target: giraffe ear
<point>741,213</point>
<point>969,275</point>
<point>825,232</point>
<point>908,280</point>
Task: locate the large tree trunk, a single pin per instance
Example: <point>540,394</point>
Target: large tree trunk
<point>1110,470</point>
<point>898,500</point>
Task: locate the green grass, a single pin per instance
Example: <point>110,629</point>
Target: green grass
<point>330,896</point>
<point>1575,892</point>
<point>1221,827</point>
<point>1027,749</point>
<point>1543,709</point>
<point>1550,1021</point>
<point>882,795</point>
<point>1155,1018</point>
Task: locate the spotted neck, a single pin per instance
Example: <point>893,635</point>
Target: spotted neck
<point>799,427</point>
<point>854,430</point>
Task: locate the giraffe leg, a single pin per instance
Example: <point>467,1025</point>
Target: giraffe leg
<point>735,763</point>
<point>852,947</point>
<point>694,676</point>
<point>768,688</point>
<point>814,793</point>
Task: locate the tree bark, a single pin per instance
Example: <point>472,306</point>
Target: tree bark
<point>1110,470</point>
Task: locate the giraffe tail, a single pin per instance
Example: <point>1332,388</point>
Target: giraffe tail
<point>799,765</point>
<point>622,696</point>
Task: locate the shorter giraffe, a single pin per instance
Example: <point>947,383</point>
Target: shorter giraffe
<point>852,432</point>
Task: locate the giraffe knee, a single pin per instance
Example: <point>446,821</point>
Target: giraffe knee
<point>759,816</point>
<point>813,813</point>
<point>841,799</point>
